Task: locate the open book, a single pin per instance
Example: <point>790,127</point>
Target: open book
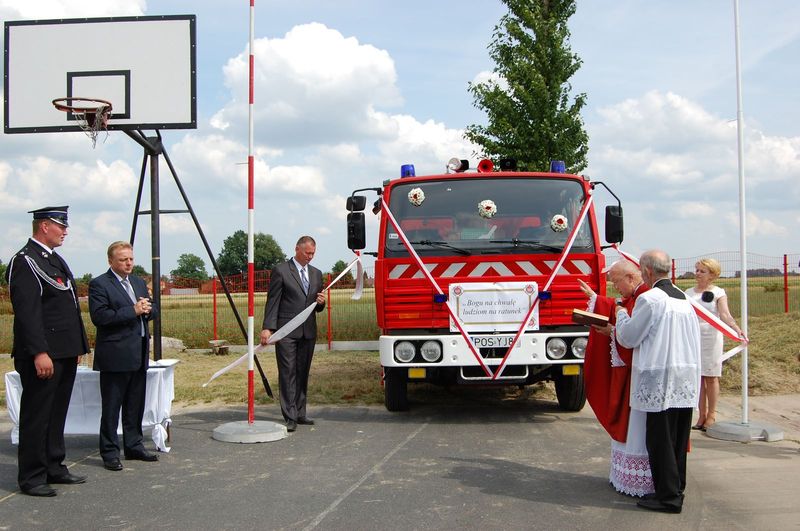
<point>588,318</point>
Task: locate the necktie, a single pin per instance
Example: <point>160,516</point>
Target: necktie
<point>127,285</point>
<point>304,279</point>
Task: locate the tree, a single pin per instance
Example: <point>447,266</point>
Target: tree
<point>3,268</point>
<point>340,266</point>
<point>232,260</point>
<point>140,271</point>
<point>190,266</point>
<point>530,116</point>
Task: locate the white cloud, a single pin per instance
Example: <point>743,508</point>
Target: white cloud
<point>428,145</point>
<point>759,226</point>
<point>671,162</point>
<point>52,9</point>
<point>693,210</point>
<point>490,78</point>
<point>177,224</point>
<point>319,87</point>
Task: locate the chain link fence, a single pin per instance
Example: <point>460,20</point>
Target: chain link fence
<point>199,311</point>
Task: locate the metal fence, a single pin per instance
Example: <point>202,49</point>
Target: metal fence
<point>197,312</point>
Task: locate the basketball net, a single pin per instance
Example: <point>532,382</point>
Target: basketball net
<point>91,122</point>
<point>92,114</point>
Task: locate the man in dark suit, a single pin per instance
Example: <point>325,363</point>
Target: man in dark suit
<point>120,308</point>
<point>49,339</point>
<point>293,286</point>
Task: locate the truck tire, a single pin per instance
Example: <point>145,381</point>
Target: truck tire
<point>569,390</point>
<point>395,389</point>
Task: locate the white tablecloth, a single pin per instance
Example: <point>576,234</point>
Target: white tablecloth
<point>83,416</point>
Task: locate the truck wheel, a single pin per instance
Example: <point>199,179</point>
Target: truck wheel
<point>395,389</point>
<point>569,390</point>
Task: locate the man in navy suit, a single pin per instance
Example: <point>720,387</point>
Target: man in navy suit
<point>293,286</point>
<point>120,308</point>
<point>49,339</point>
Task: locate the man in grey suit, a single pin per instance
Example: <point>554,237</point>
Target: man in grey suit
<point>293,286</point>
<point>120,307</point>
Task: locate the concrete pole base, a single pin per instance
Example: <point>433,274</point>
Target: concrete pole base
<point>730,431</point>
<point>244,432</point>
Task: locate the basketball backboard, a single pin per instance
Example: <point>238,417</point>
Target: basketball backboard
<point>145,66</point>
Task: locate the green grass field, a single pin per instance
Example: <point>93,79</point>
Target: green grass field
<point>190,317</point>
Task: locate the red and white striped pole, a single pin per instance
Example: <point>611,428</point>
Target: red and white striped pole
<point>251,415</point>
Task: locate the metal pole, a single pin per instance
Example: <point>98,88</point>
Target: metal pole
<point>250,233</point>
<point>155,245</point>
<point>785,284</point>
<point>742,209</point>
<point>138,197</point>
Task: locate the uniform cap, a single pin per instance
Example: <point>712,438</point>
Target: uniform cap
<point>57,214</point>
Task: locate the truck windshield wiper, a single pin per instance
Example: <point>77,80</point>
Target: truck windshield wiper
<point>443,245</point>
<point>529,243</point>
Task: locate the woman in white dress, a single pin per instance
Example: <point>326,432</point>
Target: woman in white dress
<point>713,299</point>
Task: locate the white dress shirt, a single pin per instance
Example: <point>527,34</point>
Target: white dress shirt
<point>665,335</point>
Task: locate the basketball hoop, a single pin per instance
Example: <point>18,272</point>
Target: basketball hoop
<point>92,114</point>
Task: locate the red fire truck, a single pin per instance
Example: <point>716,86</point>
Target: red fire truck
<point>490,242</point>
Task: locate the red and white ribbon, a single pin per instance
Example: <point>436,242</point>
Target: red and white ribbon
<point>703,313</point>
<point>286,329</point>
<point>567,247</point>
<point>523,324</point>
<point>435,285</point>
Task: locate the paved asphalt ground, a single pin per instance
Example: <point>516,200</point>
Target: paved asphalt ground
<point>467,465</point>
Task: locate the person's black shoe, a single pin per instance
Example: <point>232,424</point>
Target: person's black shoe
<point>305,420</point>
<point>141,456</point>
<point>44,491</point>
<point>66,479</point>
<point>291,425</point>
<point>113,464</point>
<point>655,505</point>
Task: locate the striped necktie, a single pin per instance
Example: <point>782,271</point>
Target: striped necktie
<point>304,279</point>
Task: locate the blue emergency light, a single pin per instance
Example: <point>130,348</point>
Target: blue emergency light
<point>545,295</point>
<point>440,297</point>
<point>407,170</point>
<point>557,166</point>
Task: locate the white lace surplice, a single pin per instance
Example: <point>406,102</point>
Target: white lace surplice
<point>665,336</point>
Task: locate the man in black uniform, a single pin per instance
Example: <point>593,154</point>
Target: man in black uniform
<point>49,339</point>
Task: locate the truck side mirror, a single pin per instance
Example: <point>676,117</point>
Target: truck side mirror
<point>356,230</point>
<point>356,203</point>
<point>614,232</point>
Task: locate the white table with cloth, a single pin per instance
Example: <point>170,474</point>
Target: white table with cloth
<point>83,416</point>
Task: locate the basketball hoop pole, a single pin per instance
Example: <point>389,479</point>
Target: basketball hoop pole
<point>153,148</point>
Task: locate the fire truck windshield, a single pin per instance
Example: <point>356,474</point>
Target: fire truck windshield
<point>487,215</point>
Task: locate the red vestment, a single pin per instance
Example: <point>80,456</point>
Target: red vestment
<point>607,387</point>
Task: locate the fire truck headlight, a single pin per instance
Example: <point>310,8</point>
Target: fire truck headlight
<point>431,351</point>
<point>579,347</point>
<point>404,351</point>
<point>556,348</point>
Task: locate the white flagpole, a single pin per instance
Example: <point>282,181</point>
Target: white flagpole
<point>742,210</point>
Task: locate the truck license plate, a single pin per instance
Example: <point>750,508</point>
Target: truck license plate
<point>493,341</point>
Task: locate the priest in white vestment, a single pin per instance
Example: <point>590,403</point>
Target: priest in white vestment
<point>664,332</point>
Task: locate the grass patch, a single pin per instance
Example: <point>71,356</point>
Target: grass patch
<point>354,377</point>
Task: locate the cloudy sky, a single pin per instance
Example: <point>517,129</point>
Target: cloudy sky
<point>348,91</point>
